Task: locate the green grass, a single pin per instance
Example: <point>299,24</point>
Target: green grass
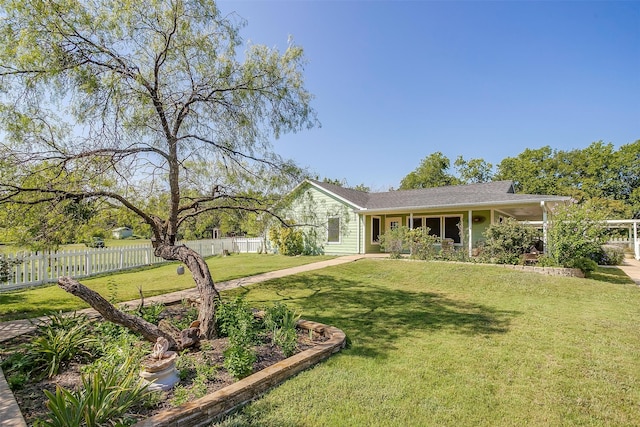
<point>35,302</point>
<point>436,344</point>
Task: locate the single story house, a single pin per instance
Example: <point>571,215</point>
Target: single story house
<point>348,221</point>
<point>122,232</point>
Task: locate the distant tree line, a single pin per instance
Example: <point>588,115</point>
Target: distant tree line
<point>599,173</point>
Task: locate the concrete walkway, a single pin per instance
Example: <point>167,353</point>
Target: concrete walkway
<point>631,267</point>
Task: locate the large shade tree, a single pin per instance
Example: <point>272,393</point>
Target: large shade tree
<point>117,101</point>
<point>432,172</point>
<point>598,172</point>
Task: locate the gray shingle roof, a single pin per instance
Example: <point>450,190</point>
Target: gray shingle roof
<point>498,192</point>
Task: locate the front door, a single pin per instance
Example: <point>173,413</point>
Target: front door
<point>392,222</point>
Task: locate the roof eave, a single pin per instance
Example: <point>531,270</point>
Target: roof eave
<point>342,199</point>
<point>460,206</point>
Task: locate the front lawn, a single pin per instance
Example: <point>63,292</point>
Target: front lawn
<point>435,344</point>
<point>34,302</point>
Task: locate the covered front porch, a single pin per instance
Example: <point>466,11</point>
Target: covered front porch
<point>464,227</point>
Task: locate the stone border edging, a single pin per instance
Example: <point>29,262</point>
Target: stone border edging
<point>549,271</point>
<point>205,410</point>
<point>11,415</point>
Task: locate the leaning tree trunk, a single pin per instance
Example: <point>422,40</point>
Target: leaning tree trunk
<point>204,283</point>
<point>148,330</point>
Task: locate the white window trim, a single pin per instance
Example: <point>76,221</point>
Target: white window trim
<point>373,241</point>
<point>339,230</point>
<point>442,227</point>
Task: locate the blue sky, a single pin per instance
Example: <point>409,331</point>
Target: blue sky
<point>395,81</point>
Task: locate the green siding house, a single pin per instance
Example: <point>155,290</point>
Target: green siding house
<point>346,221</point>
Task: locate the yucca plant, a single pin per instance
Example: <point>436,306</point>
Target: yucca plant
<point>105,398</point>
<point>66,409</point>
<point>59,340</point>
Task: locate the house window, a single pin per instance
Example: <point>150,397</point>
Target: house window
<point>416,223</point>
<point>451,229</point>
<point>375,229</point>
<point>440,226</point>
<point>333,233</point>
<point>434,226</point>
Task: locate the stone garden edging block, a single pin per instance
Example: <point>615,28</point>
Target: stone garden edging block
<point>207,409</point>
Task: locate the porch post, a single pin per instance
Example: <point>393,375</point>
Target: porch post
<point>411,220</point>
<point>358,238</point>
<point>636,243</point>
<point>470,244</point>
<point>545,225</point>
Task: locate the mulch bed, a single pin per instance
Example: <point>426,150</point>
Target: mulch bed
<point>32,400</point>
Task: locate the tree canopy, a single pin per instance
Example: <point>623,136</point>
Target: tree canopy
<point>118,102</point>
<point>432,172</point>
<point>598,173</point>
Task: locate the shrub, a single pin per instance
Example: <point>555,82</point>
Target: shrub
<point>507,241</point>
<point>289,241</point>
<point>394,241</point>
<point>282,322</point>
<point>546,261</point>
<point>274,315</point>
<point>610,255</point>
<point>6,265</point>
<point>151,313</point>
<point>421,243</point>
<point>574,233</point>
<point>586,265</point>
<point>235,319</point>
<point>239,360</point>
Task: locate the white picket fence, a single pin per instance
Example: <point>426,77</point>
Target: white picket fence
<point>45,267</point>
<point>621,241</point>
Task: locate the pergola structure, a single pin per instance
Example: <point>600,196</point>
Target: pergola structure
<point>632,225</point>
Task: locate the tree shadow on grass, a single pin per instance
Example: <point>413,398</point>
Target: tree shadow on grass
<point>374,317</point>
<point>7,298</point>
<point>611,275</point>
